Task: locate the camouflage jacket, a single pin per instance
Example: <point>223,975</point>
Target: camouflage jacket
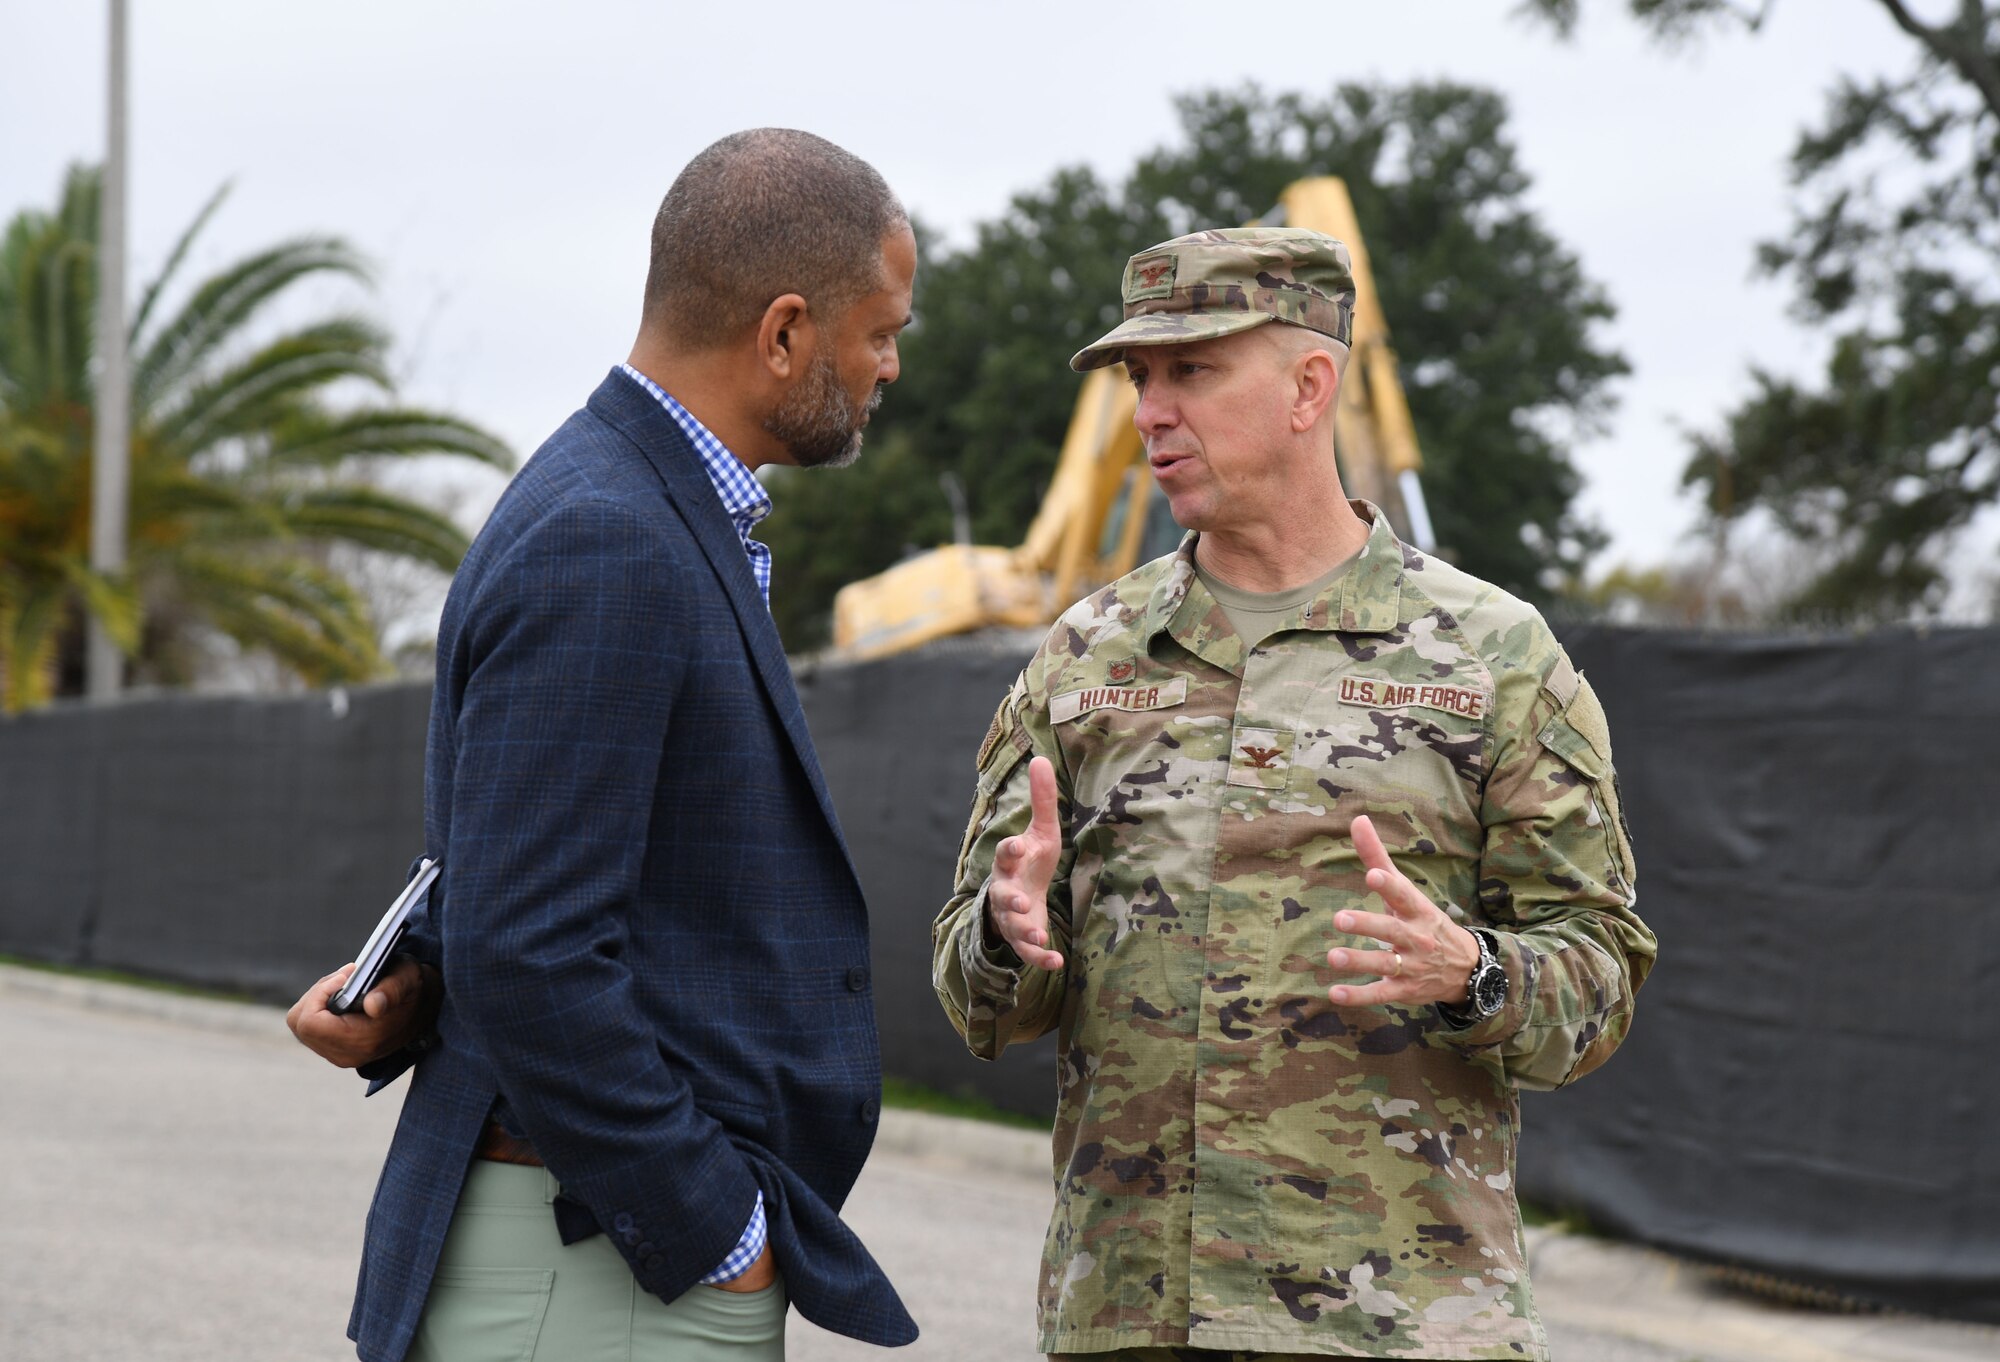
<point>1239,1163</point>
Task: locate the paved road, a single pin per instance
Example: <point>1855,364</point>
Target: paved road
<point>178,1180</point>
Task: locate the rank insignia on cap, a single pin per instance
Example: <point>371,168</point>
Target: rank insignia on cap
<point>1121,672</point>
<point>1149,277</point>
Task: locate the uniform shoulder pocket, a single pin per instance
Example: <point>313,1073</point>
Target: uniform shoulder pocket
<point>1005,746</point>
<point>1580,735</point>
<point>1006,743</point>
<point>1578,732</point>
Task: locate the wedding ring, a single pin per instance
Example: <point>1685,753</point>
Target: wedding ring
<point>1399,964</point>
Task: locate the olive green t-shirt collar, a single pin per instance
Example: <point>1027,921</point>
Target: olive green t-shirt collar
<point>1365,599</point>
<point>1256,615</point>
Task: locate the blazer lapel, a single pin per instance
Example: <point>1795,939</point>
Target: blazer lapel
<point>641,418</point>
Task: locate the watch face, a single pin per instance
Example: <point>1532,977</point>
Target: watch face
<point>1489,991</point>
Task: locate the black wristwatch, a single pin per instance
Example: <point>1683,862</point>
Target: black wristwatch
<point>1485,991</point>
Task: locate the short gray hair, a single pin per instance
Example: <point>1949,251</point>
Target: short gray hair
<point>758,215</point>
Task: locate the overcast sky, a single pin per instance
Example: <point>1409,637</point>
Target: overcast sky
<point>501,162</point>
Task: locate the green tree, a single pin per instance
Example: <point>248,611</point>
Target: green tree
<point>1491,316</point>
<point>1894,253</point>
<point>243,471</point>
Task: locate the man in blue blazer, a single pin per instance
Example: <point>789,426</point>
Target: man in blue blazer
<point>637,1014</point>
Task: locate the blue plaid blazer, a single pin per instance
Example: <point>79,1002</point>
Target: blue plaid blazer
<point>652,939</point>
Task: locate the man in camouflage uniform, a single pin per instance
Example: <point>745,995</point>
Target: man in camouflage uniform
<point>1308,848</point>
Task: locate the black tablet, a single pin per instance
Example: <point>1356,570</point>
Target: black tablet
<point>382,942</point>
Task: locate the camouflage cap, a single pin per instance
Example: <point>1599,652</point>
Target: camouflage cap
<point>1216,283</point>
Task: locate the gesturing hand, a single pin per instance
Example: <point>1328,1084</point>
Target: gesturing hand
<point>1428,958</point>
<point>1017,901</point>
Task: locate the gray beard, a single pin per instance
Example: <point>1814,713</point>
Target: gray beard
<point>816,421</point>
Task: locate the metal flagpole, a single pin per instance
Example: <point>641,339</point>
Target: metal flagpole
<point>112,473</point>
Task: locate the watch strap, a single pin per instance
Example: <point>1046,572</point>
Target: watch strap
<point>1459,1016</point>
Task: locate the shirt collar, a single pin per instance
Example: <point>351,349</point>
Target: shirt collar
<point>742,496</point>
<point>1366,599</point>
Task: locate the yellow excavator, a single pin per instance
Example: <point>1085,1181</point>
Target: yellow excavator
<point>1101,518</point>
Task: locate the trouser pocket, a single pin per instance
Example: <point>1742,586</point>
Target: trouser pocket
<point>707,1324</point>
<point>483,1314</point>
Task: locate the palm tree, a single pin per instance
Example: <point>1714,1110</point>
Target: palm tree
<point>244,474</point>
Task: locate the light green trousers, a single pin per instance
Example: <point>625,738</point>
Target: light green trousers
<point>507,1290</point>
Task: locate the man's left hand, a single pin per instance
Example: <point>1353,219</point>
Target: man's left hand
<point>402,1007</point>
<point>1427,958</point>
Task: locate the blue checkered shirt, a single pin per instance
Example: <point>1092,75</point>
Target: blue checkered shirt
<point>746,502</point>
<point>743,497</point>
<point>747,1251</point>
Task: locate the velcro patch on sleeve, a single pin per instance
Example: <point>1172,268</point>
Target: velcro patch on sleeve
<point>1063,708</point>
<point>1562,681</point>
<point>1381,693</point>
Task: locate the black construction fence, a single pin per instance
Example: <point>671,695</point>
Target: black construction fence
<point>1811,1089</point>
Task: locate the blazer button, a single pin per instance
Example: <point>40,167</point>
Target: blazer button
<point>655,1263</point>
<point>870,1110</point>
<point>633,1236</point>
<point>622,1222</point>
<point>857,978</point>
